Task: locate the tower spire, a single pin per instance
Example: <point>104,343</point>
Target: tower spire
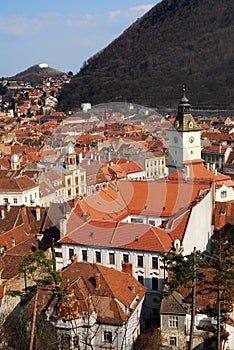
<point>184,105</point>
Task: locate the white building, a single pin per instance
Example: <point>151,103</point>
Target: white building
<point>101,309</point>
<point>112,244</point>
<point>19,191</point>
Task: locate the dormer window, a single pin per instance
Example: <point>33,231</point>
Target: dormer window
<point>190,125</point>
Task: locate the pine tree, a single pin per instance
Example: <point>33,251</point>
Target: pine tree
<point>38,274</point>
<point>184,271</point>
<point>221,261</point>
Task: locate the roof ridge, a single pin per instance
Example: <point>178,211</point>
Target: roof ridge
<point>114,231</point>
<point>154,229</point>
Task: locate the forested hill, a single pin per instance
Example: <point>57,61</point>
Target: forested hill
<point>177,42</point>
<point>35,74</point>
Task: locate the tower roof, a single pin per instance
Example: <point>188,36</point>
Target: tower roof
<point>70,150</point>
<point>15,158</point>
<point>184,120</point>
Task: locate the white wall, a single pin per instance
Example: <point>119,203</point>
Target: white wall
<point>199,229</point>
<point>224,194</point>
<point>23,197</point>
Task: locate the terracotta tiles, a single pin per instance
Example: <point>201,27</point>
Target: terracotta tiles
<point>19,183</point>
<point>111,288</point>
<point>119,234</point>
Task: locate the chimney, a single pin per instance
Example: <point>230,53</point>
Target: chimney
<point>13,242</point>
<point>8,207</point>
<point>38,214</point>
<point>97,280</point>
<point>127,268</point>
<point>2,214</point>
<point>63,227</point>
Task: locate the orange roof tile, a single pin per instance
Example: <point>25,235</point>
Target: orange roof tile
<point>119,234</point>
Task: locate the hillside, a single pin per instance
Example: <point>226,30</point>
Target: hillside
<point>35,74</point>
<point>177,42</point>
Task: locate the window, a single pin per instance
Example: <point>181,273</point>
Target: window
<point>141,279</point>
<point>152,222</point>
<point>137,221</point>
<point>15,200</point>
<point>58,254</point>
<point>84,255</point>
<point>107,337</point>
<point>173,341</point>
<point>154,283</point>
<point>156,300</point>
<point>154,262</point>
<point>5,200</point>
<point>98,257</point>
<point>126,258</point>
<point>173,321</point>
<point>76,180</point>
<point>25,199</point>
<point>223,194</point>
<point>71,253</point>
<point>76,341</point>
<point>155,312</point>
<point>65,341</point>
<point>68,182</point>
<point>111,258</point>
<point>140,262</point>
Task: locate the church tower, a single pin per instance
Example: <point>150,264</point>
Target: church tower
<point>70,158</point>
<point>15,162</point>
<point>184,138</point>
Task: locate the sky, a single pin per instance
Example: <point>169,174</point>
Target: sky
<point>61,33</point>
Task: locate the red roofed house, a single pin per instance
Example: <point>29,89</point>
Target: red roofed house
<point>18,191</point>
<point>101,309</point>
<point>113,244</point>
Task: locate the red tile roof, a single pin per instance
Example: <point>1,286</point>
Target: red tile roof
<point>103,297</point>
<point>160,198</point>
<point>119,234</point>
<point>16,184</point>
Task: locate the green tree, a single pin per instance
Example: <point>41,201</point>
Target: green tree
<point>185,271</point>
<point>39,274</point>
<point>221,262</point>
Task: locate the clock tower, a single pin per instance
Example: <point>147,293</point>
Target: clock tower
<point>184,138</point>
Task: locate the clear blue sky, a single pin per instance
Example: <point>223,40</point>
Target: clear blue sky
<point>62,33</point>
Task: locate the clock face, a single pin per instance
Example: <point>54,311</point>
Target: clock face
<point>191,139</point>
<point>175,139</point>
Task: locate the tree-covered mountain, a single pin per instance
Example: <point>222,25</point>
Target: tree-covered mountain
<point>177,42</point>
<point>36,74</point>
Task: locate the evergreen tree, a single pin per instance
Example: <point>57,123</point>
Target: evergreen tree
<point>39,275</point>
<point>184,271</point>
<point>221,262</point>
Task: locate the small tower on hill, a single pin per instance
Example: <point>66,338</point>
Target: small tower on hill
<point>184,138</point>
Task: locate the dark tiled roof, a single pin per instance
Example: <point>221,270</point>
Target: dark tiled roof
<point>173,304</point>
